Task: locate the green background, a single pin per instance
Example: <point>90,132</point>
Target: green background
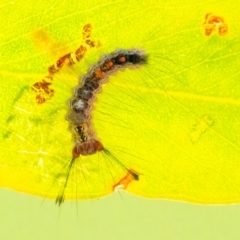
<point>115,218</point>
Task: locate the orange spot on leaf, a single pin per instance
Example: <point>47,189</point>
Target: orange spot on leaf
<point>42,88</point>
<point>216,24</point>
<point>124,182</point>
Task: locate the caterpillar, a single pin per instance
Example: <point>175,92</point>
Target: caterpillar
<point>79,116</point>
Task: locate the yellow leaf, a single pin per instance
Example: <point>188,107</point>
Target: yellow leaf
<point>174,121</point>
